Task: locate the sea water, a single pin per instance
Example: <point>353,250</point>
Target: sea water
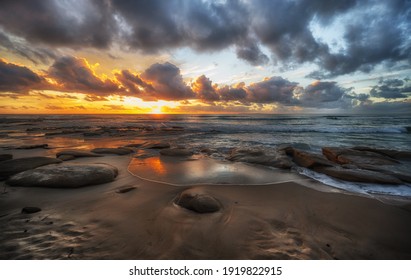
<point>224,132</point>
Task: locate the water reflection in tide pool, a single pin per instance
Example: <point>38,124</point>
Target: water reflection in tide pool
<point>201,170</point>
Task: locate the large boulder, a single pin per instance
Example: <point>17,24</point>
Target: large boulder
<point>198,202</point>
<point>65,176</point>
<point>358,175</point>
<point>309,160</point>
<point>176,152</point>
<point>116,151</point>
<point>14,166</point>
<point>351,156</point>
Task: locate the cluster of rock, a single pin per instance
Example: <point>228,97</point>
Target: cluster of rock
<point>356,164</point>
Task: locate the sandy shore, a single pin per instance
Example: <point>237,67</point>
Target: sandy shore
<point>281,220</point>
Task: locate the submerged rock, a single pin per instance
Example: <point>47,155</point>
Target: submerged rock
<point>30,210</point>
<point>395,154</point>
<point>6,157</point>
<point>35,146</point>
<point>176,152</point>
<point>65,176</point>
<point>116,151</point>
<point>77,153</point>
<point>278,159</point>
<point>14,166</point>
<point>198,202</point>
<point>156,145</point>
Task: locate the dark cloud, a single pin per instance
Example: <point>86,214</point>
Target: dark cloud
<point>252,53</point>
<point>167,82</point>
<point>204,89</point>
<point>319,92</point>
<point>233,93</point>
<point>391,89</point>
<point>74,74</point>
<point>374,32</point>
<point>22,48</point>
<point>18,79</point>
<point>60,23</point>
<point>396,107</point>
<point>271,90</point>
<point>132,82</point>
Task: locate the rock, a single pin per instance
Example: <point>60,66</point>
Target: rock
<point>198,202</point>
<point>156,145</point>
<point>14,166</point>
<point>65,176</point>
<point>176,152</point>
<point>358,175</point>
<point>77,153</point>
<point>125,189</point>
<point>351,156</point>
<point>30,210</point>
<point>136,145</point>
<point>36,146</point>
<point>277,159</point>
<point>309,160</point>
<point>117,151</point>
<point>66,157</point>
<point>93,134</point>
<point>400,155</point>
<point>5,157</point>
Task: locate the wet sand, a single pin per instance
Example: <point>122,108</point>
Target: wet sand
<point>283,217</point>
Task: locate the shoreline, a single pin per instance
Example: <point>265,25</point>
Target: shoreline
<point>284,220</point>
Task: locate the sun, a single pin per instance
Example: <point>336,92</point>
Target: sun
<point>157,110</point>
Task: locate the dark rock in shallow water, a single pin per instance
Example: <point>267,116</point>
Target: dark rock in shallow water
<point>358,175</point>
<point>5,157</point>
<point>125,189</point>
<point>30,210</point>
<point>65,176</point>
<point>14,166</point>
<point>66,157</point>
<point>176,152</point>
<point>116,151</point>
<point>156,145</point>
<point>77,153</point>
<point>400,155</point>
<point>136,145</point>
<point>309,160</point>
<point>351,156</point>
<point>36,146</point>
<point>198,202</point>
<point>278,159</point>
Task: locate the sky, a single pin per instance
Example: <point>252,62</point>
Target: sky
<point>200,56</point>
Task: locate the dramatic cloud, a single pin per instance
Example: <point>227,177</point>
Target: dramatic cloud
<point>370,32</point>
<point>392,89</point>
<point>204,89</point>
<point>274,89</point>
<point>68,23</point>
<point>22,48</point>
<point>18,79</point>
<point>233,93</point>
<point>167,82</point>
<point>132,82</point>
<point>74,74</point>
<point>326,95</point>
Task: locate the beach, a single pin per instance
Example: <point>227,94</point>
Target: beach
<point>173,203</point>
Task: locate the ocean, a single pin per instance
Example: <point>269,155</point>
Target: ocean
<point>222,133</point>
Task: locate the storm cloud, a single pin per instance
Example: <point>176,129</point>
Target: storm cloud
<point>74,74</point>
<point>372,32</point>
<point>392,89</point>
<point>19,79</point>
